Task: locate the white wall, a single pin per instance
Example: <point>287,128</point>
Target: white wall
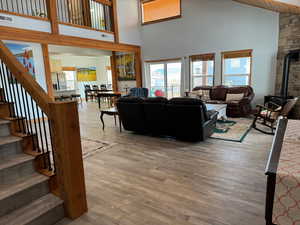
<point>129,23</point>
<point>210,26</point>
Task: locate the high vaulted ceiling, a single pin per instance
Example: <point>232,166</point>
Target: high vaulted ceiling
<point>285,6</point>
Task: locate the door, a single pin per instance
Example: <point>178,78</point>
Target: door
<point>165,79</point>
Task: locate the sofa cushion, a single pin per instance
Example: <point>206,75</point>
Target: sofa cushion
<point>239,90</point>
<point>131,100</point>
<point>156,100</point>
<point>234,97</point>
<point>218,93</point>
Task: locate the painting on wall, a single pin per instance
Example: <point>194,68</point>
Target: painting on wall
<point>125,67</point>
<point>24,54</point>
<point>86,74</point>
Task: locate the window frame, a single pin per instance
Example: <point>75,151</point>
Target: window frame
<point>243,54</point>
<point>159,20</point>
<point>206,55</point>
<point>165,62</point>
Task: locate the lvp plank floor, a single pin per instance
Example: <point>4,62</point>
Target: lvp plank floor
<point>145,180</point>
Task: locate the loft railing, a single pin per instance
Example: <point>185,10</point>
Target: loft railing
<point>54,127</point>
<point>89,13</point>
<point>35,8</point>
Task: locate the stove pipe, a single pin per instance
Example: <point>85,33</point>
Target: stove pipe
<point>291,56</point>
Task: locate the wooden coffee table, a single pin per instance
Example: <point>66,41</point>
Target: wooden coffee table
<point>220,108</point>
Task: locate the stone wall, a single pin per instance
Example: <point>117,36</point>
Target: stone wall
<point>289,39</point>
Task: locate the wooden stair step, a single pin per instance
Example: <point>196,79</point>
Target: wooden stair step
<point>15,160</point>
<point>46,210</point>
<point>16,167</point>
<point>9,139</point>
<point>21,193</point>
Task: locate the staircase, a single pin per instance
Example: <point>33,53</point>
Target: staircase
<point>24,193</point>
<point>41,166</point>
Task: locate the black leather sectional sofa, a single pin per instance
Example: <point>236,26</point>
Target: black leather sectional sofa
<point>182,118</point>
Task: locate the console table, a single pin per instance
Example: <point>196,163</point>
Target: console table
<point>283,171</point>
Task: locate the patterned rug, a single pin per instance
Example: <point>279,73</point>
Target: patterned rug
<point>233,129</point>
<point>90,146</point>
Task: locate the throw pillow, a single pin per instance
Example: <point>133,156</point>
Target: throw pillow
<point>234,97</point>
<point>205,95</point>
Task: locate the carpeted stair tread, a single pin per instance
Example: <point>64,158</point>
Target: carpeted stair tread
<point>9,140</point>
<point>33,211</point>
<point>15,160</point>
<point>2,122</point>
<point>11,189</point>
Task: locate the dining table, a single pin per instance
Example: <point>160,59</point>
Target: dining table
<point>109,95</point>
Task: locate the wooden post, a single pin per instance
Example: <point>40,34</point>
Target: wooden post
<point>68,157</point>
<point>114,72</point>
<point>138,68</point>
<point>115,20</point>
<point>86,13</point>
<point>52,14</point>
<point>47,70</point>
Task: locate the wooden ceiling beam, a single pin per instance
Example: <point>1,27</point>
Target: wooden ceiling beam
<point>272,5</point>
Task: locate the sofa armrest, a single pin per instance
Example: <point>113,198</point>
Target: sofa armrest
<point>210,125</point>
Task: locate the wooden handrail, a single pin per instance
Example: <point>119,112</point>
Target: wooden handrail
<point>66,139</point>
<point>25,78</point>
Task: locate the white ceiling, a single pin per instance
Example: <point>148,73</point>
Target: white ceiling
<point>75,51</point>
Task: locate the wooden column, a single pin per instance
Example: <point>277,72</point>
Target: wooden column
<point>86,13</point>
<point>68,157</point>
<point>115,20</point>
<point>114,72</point>
<point>138,68</point>
<point>47,70</point>
<point>52,14</point>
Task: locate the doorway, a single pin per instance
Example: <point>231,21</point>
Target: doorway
<point>164,78</point>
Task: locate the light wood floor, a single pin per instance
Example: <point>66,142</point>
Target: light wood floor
<point>153,181</point>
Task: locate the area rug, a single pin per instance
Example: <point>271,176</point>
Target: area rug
<point>233,129</point>
<point>90,146</point>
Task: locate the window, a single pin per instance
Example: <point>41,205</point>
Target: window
<point>70,79</point>
<point>165,78</point>
<point>160,10</point>
<point>237,67</point>
<point>202,70</point>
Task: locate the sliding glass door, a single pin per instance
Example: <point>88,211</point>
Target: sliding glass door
<point>165,78</point>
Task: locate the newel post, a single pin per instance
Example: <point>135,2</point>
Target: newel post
<point>68,157</point>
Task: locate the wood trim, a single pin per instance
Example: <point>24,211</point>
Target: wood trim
<point>114,72</point>
<point>69,68</point>
<point>115,20</point>
<point>9,33</point>
<point>24,15</point>
<point>48,76</point>
<point>162,60</point>
<point>138,69</point>
<point>160,20</point>
<point>52,14</point>
<point>25,78</point>
<point>203,57</point>
<point>85,27</point>
<point>237,54</point>
<point>104,2</point>
<point>68,157</point>
<point>86,13</point>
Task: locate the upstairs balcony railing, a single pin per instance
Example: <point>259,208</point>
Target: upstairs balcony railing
<point>35,8</point>
<point>93,14</point>
<point>89,13</point>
